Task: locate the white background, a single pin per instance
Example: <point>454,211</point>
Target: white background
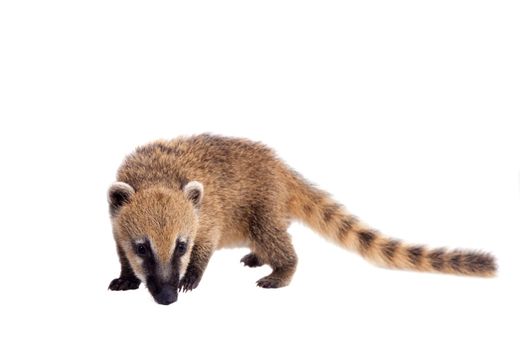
<point>407,111</point>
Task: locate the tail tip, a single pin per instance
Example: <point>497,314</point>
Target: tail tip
<point>480,263</point>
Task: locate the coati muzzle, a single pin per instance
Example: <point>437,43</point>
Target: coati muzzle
<point>163,293</point>
<point>166,296</point>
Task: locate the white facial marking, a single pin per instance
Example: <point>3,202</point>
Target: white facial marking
<point>185,259</point>
<point>165,271</point>
<point>139,274</point>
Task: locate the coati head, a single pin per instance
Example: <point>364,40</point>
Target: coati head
<point>156,227</point>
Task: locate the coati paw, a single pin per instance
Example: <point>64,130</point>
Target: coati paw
<point>271,282</point>
<point>123,283</point>
<point>251,260</point>
<point>190,281</point>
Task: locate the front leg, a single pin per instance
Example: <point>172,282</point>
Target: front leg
<point>200,255</point>
<point>127,279</point>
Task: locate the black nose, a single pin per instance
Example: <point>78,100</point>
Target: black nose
<point>166,296</point>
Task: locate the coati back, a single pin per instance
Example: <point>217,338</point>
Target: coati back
<point>176,202</point>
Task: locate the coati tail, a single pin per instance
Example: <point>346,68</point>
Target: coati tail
<point>319,211</point>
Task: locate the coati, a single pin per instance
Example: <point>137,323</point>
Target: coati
<point>176,202</point>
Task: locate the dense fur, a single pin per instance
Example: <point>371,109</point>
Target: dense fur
<point>212,192</point>
<point>319,211</point>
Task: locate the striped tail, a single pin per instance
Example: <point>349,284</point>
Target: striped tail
<point>319,211</point>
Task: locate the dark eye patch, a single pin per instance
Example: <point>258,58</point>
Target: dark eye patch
<point>180,248</point>
<point>142,249</point>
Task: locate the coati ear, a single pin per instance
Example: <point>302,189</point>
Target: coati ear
<point>194,191</point>
<point>119,193</point>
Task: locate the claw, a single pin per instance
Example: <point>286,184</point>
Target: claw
<point>189,282</point>
<point>122,283</point>
<point>251,260</point>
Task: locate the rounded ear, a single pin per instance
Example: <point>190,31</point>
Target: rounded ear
<point>194,191</point>
<point>119,193</point>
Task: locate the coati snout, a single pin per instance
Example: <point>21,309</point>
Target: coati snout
<point>162,279</point>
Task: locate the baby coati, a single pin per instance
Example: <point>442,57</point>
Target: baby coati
<point>176,202</point>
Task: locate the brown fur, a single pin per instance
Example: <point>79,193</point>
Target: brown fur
<point>250,198</point>
<point>346,230</point>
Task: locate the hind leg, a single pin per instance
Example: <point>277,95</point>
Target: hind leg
<point>252,260</point>
<point>273,246</point>
<point>276,248</point>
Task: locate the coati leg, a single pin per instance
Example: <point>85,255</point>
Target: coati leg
<point>272,245</point>
<point>200,256</point>
<point>252,260</point>
<point>127,279</point>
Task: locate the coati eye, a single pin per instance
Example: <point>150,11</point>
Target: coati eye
<point>141,249</point>
<point>180,249</point>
